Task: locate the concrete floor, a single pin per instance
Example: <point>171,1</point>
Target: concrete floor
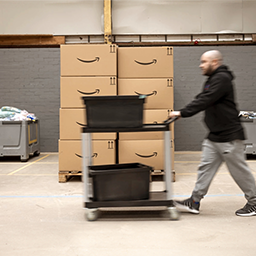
<point>41,217</point>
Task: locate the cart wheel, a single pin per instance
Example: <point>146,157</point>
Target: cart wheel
<point>92,214</point>
<point>36,153</point>
<point>174,214</point>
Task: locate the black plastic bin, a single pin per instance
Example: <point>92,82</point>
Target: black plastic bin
<point>114,111</point>
<point>120,182</point>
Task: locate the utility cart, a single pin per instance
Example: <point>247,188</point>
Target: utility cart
<point>110,197</point>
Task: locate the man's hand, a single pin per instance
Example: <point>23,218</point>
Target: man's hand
<point>174,114</point>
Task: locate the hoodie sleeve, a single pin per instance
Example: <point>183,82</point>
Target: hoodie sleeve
<point>212,92</point>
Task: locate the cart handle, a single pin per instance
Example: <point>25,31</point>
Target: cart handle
<point>170,120</point>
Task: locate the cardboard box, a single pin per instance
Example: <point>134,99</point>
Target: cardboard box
<point>70,154</point>
<point>145,62</point>
<point>72,89</point>
<point>148,152</point>
<point>71,123</point>
<point>151,116</point>
<point>88,60</point>
<point>159,91</point>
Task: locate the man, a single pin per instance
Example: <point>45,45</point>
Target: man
<point>225,139</point>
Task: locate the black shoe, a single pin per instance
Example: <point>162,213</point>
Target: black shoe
<point>248,210</point>
<point>188,205</point>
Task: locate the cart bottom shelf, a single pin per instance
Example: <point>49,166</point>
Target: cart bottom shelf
<point>137,203</point>
<point>92,207</point>
<point>156,199</point>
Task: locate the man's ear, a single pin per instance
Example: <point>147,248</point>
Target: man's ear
<point>215,62</point>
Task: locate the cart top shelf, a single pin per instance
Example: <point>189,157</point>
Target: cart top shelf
<point>144,128</point>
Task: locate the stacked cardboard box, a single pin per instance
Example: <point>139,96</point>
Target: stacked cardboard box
<point>147,71</point>
<point>86,70</point>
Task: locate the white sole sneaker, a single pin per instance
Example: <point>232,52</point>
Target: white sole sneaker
<point>183,207</point>
<point>246,214</point>
<point>247,211</point>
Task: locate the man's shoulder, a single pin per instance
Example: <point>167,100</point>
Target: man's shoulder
<point>223,73</point>
<point>221,76</point>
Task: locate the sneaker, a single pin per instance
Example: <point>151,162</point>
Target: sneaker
<point>188,205</point>
<point>247,210</point>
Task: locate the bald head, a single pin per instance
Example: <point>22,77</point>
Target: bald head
<point>210,61</point>
<point>214,55</point>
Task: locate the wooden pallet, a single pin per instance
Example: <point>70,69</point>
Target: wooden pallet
<point>156,175</point>
<point>64,176</point>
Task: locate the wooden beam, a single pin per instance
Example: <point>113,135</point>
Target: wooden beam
<point>215,43</point>
<point>254,38</point>
<point>31,40</point>
<point>107,22</point>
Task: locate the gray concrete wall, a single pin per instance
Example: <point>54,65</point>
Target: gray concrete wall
<point>30,79</point>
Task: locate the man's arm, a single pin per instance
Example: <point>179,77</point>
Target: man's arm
<point>205,99</point>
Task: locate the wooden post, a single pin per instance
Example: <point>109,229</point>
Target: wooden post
<point>107,22</point>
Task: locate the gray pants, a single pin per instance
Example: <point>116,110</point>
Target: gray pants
<point>212,157</point>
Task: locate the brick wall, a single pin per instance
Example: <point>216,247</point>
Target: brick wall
<point>30,79</point>
<point>190,132</point>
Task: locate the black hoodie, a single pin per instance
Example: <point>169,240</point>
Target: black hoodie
<point>221,114</point>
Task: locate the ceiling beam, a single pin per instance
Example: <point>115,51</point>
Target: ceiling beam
<point>31,40</point>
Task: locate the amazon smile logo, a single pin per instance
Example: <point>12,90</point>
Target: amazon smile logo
<point>90,61</point>
<point>84,125</point>
<point>150,94</point>
<point>146,156</point>
<point>154,61</point>
<point>93,155</point>
<point>97,91</point>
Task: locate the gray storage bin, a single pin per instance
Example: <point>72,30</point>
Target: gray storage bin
<point>19,138</point>
<point>250,132</point>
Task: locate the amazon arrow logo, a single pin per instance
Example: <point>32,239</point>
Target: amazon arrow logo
<point>78,155</point>
<point>84,125</point>
<point>154,61</point>
<point>150,94</point>
<point>147,156</point>
<point>94,155</point>
<point>89,61</point>
<point>97,91</point>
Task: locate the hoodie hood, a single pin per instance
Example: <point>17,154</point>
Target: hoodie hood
<point>225,69</point>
